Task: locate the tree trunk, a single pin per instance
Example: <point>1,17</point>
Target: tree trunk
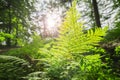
<point>16,41</point>
<point>70,2</point>
<point>8,42</point>
<point>96,13</point>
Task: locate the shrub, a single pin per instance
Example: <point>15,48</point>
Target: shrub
<point>4,36</point>
<point>114,34</point>
<point>31,49</point>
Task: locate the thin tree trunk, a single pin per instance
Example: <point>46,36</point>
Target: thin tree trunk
<point>8,42</point>
<point>70,2</point>
<point>96,13</point>
<point>16,41</point>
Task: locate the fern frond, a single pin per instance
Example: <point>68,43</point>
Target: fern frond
<point>12,68</point>
<point>72,39</point>
<point>95,36</point>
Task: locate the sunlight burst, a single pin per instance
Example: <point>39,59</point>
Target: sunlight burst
<point>53,21</point>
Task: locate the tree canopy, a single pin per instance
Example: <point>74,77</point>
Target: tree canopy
<point>14,18</point>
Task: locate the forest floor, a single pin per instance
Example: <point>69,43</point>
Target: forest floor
<point>5,49</point>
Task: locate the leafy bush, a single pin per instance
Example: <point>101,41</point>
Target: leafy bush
<point>114,34</point>
<point>111,46</point>
<point>87,68</point>
<point>117,49</point>
<point>33,49</point>
<point>3,36</point>
<point>114,62</point>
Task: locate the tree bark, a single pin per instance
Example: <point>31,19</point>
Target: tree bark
<point>96,13</point>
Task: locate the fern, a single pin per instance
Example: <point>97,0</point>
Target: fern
<point>13,68</point>
<point>72,39</point>
<point>71,46</point>
<point>37,76</point>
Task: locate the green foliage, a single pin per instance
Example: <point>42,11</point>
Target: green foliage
<point>114,33</point>
<point>74,55</point>
<point>72,41</point>
<point>87,68</point>
<point>3,36</point>
<point>13,68</point>
<point>31,49</point>
<point>14,18</point>
<point>35,53</point>
<point>111,46</point>
<point>37,76</point>
<point>69,60</point>
<point>114,61</point>
<point>19,69</point>
<point>117,49</point>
